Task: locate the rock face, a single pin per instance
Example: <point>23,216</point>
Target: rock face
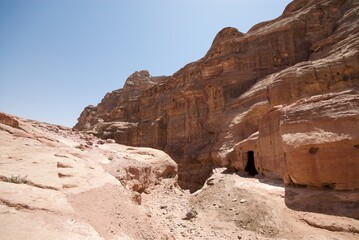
<point>282,98</point>
<point>313,141</point>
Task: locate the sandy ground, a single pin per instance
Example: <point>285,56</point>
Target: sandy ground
<point>71,186</point>
<point>234,207</point>
<point>241,207</point>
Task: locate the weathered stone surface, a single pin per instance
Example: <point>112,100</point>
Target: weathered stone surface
<point>313,141</point>
<point>144,167</point>
<point>208,113</point>
<point>45,181</point>
<point>8,120</point>
<point>321,140</point>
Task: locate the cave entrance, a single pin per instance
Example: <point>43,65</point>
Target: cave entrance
<point>251,167</point>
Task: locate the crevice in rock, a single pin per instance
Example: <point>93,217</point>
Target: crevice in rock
<point>69,186</point>
<point>30,183</point>
<point>63,165</point>
<point>20,206</point>
<point>27,182</point>
<point>63,175</point>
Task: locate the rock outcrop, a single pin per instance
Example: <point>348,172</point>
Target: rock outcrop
<point>51,176</point>
<point>8,120</point>
<point>143,168</point>
<point>282,97</point>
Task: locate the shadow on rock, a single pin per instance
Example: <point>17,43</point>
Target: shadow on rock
<point>330,202</point>
<point>323,201</point>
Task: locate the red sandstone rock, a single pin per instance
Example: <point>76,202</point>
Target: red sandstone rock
<point>8,120</point>
<point>213,111</point>
<point>320,138</point>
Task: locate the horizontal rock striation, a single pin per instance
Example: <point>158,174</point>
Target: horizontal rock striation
<point>259,96</point>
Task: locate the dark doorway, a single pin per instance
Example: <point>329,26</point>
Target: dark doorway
<point>251,168</point>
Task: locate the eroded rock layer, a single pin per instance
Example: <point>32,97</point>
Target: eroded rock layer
<point>283,96</point>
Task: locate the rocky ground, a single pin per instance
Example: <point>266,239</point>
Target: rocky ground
<point>57,183</point>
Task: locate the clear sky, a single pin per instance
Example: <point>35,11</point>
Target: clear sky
<point>58,56</point>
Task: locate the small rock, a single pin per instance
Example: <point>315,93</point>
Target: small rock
<point>243,201</point>
<point>234,200</point>
<point>137,198</point>
<point>190,214</point>
<point>110,140</point>
<point>169,217</point>
<point>81,147</point>
<point>210,181</point>
<point>88,137</point>
<point>100,142</point>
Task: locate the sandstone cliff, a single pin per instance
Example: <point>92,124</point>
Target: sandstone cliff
<point>281,100</point>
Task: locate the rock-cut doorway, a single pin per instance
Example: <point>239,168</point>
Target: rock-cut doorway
<point>251,167</point>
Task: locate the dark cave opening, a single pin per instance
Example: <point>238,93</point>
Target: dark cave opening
<point>251,168</point>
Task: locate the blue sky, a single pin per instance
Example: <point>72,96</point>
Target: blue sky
<point>58,56</point>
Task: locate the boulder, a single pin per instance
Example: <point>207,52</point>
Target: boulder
<point>140,168</point>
